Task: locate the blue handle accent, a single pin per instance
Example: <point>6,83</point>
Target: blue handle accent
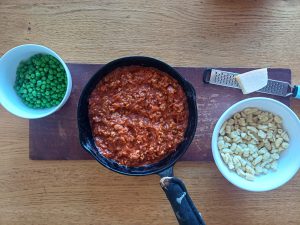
<point>296,91</point>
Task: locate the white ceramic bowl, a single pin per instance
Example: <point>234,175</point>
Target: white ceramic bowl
<point>289,161</point>
<point>8,67</point>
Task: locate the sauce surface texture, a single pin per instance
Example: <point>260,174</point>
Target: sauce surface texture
<point>138,115</point>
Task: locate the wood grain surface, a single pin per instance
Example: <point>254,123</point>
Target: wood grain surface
<point>223,33</point>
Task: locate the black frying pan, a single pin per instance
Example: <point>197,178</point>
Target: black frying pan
<point>174,188</point>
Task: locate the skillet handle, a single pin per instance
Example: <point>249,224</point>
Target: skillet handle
<point>183,206</point>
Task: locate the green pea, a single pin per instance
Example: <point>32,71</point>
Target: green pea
<point>40,81</point>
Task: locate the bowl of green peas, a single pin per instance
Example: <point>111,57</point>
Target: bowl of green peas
<point>34,81</point>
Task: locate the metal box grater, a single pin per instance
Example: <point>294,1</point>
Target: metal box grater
<point>227,79</point>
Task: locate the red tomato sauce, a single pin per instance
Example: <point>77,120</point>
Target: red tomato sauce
<point>138,115</point>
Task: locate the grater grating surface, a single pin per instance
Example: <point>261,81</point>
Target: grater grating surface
<point>227,79</point>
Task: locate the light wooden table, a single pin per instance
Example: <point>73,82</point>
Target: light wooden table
<point>183,33</point>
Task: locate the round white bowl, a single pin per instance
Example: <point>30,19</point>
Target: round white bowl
<point>289,161</point>
<point>8,67</point>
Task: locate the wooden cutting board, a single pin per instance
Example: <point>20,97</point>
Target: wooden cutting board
<point>56,137</point>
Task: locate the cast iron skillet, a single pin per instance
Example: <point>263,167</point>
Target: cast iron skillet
<point>174,188</point>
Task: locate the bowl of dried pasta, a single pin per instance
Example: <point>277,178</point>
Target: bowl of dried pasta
<point>255,144</point>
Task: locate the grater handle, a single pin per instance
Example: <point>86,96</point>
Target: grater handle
<point>296,91</point>
<point>206,76</point>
